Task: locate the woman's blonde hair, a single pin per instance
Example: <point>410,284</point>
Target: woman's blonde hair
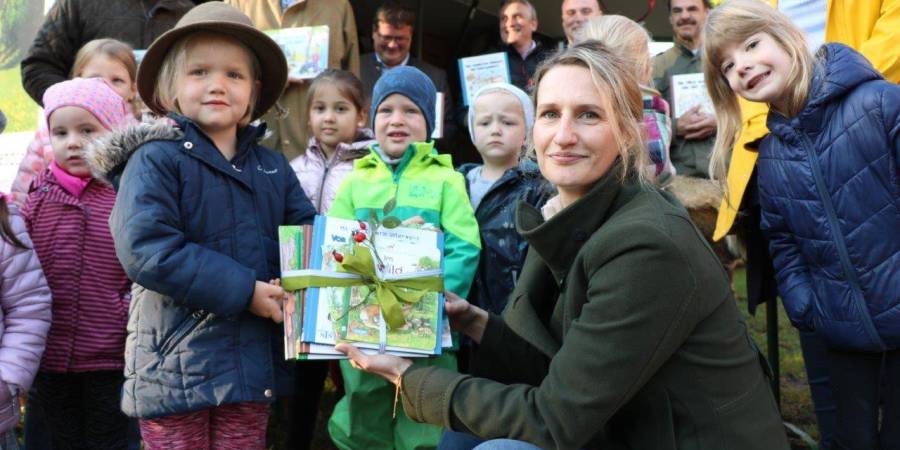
<point>113,49</point>
<point>174,66</point>
<point>731,24</point>
<point>624,36</point>
<point>618,86</point>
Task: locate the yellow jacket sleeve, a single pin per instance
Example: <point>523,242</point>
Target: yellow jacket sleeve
<point>872,27</point>
<point>743,159</point>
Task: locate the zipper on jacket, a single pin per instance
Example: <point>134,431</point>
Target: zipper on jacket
<point>328,164</point>
<point>322,190</point>
<point>188,325</point>
<point>840,245</point>
<point>500,182</point>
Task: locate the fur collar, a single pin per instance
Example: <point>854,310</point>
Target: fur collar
<point>108,155</point>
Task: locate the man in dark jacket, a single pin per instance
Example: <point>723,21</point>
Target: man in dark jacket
<point>518,22</point>
<point>392,32</point>
<point>72,23</point>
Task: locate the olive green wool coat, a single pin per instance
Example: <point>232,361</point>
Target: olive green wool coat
<point>621,333</point>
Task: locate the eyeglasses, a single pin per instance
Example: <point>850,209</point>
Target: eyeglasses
<point>399,40</point>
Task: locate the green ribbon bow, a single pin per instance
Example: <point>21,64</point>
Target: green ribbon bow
<point>388,293</point>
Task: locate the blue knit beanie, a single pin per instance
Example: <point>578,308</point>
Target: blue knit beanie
<point>413,84</point>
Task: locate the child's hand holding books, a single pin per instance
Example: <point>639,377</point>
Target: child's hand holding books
<point>268,300</point>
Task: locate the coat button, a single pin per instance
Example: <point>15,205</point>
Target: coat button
<point>268,393</point>
<point>188,145</point>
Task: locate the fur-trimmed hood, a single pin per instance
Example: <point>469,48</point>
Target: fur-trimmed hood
<point>108,155</point>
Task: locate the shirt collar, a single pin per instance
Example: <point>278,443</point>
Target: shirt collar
<point>383,66</point>
<point>685,49</point>
<point>530,49</point>
<point>512,49</point>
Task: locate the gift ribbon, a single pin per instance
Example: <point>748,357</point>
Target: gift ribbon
<point>358,269</point>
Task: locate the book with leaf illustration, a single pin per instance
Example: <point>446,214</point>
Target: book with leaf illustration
<point>324,316</point>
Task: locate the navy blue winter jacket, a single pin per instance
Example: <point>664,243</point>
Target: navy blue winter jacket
<point>829,191</point>
<point>195,232</point>
<point>502,247</point>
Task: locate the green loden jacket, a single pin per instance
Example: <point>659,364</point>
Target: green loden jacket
<point>621,333</point>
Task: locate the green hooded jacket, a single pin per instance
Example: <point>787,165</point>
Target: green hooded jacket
<point>425,185</point>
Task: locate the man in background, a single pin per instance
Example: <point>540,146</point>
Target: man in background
<point>72,23</point>
<point>575,13</point>
<point>694,131</point>
<point>518,23</point>
<point>392,34</point>
<point>289,127</point>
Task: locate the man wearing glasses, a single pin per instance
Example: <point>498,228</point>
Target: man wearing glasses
<point>392,32</point>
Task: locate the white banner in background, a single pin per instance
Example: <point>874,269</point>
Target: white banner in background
<point>12,149</point>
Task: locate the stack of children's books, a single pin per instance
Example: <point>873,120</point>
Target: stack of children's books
<point>317,318</point>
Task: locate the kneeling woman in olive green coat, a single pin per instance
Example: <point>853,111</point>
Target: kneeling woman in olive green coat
<point>622,331</point>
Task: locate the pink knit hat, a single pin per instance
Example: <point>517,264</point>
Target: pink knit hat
<point>93,95</point>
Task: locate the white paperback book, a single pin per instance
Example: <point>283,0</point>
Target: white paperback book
<point>689,90</point>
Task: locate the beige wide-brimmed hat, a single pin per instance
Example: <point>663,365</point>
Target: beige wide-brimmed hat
<point>219,18</point>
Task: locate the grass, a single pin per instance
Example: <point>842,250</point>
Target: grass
<point>19,108</point>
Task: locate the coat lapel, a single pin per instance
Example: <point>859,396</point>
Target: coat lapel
<point>553,247</point>
<point>559,239</point>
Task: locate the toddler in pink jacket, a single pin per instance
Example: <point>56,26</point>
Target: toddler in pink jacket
<point>24,317</point>
<point>104,58</point>
<point>67,213</point>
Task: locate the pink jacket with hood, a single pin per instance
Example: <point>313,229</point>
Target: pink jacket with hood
<point>24,318</point>
<point>321,177</point>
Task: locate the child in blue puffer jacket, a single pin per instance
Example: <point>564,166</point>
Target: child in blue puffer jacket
<point>196,228</point>
<point>829,190</point>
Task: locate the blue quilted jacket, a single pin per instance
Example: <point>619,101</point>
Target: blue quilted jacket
<point>829,190</point>
<point>195,232</point>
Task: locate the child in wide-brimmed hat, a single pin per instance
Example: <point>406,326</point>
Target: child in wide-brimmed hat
<point>196,227</point>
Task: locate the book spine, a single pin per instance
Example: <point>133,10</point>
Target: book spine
<point>506,65</point>
<point>462,80</point>
<point>439,330</point>
<point>311,302</point>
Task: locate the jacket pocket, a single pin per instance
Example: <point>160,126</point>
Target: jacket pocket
<point>187,325</point>
<point>752,417</point>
